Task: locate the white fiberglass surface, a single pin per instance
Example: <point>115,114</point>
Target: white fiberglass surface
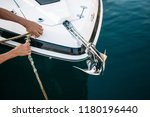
<point>53,16</point>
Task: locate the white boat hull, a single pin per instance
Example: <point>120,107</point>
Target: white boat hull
<point>56,41</point>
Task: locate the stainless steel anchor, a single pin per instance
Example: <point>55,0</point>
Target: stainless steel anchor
<point>96,60</point>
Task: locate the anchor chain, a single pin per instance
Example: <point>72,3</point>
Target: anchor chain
<point>35,71</point>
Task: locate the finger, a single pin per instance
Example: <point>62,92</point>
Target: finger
<point>29,53</point>
<point>36,34</point>
<point>40,32</point>
<point>40,29</point>
<point>28,48</point>
<point>40,26</point>
<point>27,43</point>
<point>33,36</point>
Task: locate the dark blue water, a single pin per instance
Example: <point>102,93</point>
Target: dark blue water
<point>125,34</point>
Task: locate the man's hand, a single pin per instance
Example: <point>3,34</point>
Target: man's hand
<point>32,27</point>
<point>22,50</point>
<point>35,29</point>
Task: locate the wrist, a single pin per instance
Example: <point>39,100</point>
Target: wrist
<point>23,22</point>
<point>13,53</point>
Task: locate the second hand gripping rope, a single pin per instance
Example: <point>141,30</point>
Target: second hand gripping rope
<point>28,35</point>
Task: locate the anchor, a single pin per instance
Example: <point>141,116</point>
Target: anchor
<point>96,60</point>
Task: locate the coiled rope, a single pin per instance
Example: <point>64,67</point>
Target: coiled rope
<point>28,35</point>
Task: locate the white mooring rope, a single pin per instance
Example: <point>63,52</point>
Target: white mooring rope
<point>2,40</point>
<point>35,71</point>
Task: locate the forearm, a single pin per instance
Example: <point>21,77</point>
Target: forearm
<point>6,56</point>
<point>7,15</point>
